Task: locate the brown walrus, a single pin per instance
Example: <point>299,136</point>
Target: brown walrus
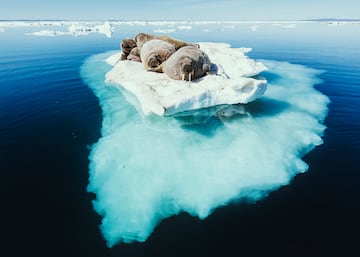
<point>134,55</point>
<point>187,63</point>
<point>154,52</point>
<point>126,46</point>
<point>142,38</point>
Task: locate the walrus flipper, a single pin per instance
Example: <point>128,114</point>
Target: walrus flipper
<point>158,69</point>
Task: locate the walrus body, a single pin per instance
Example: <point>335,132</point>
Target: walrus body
<point>142,38</point>
<point>134,55</point>
<point>131,48</point>
<point>126,46</point>
<point>187,63</point>
<point>154,52</point>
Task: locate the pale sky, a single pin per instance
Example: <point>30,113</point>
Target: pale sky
<point>178,9</point>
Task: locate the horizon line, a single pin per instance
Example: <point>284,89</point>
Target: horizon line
<point>180,20</point>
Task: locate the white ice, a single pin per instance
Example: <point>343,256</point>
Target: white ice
<point>161,95</point>
<point>144,168</point>
<point>76,29</point>
<point>49,33</point>
<point>179,24</point>
<point>164,31</point>
<point>105,28</point>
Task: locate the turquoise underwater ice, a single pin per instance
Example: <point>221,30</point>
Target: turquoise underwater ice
<point>144,169</point>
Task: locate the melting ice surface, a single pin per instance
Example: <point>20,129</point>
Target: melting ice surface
<point>147,168</point>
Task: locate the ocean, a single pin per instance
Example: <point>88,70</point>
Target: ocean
<point>52,119</point>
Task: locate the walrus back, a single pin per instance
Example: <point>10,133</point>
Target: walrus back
<point>142,38</point>
<point>154,52</point>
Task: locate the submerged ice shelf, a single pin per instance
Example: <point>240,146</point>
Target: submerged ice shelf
<point>158,94</point>
<point>145,168</point>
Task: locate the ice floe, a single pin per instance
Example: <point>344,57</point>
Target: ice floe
<point>165,31</point>
<point>77,29</point>
<point>158,94</point>
<point>104,28</point>
<point>145,169</point>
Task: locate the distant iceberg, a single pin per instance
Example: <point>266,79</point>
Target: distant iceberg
<point>105,29</point>
<point>165,31</point>
<point>78,29</point>
<point>49,33</point>
<point>158,94</point>
<point>184,27</point>
<point>172,29</point>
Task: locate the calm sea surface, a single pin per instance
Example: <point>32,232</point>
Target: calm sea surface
<point>49,119</point>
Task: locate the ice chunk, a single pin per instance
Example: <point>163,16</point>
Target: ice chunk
<point>184,27</point>
<point>147,168</point>
<point>105,28</point>
<point>165,31</point>
<point>163,96</point>
<point>77,29</point>
<point>48,33</point>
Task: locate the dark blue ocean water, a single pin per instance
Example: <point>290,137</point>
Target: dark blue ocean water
<point>49,119</point>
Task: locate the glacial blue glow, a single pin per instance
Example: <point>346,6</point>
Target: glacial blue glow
<point>147,168</point>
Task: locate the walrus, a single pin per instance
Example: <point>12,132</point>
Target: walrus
<point>187,63</point>
<point>134,55</point>
<point>154,52</point>
<point>142,38</point>
<point>126,46</point>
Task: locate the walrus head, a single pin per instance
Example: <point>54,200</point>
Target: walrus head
<point>134,55</point>
<point>154,61</point>
<point>187,63</point>
<point>189,69</point>
<point>142,38</point>
<point>127,44</point>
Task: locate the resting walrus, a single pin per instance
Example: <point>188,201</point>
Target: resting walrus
<point>154,52</point>
<point>126,46</point>
<point>187,63</point>
<point>142,38</point>
<point>134,55</point>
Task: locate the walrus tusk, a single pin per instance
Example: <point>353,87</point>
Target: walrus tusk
<point>188,60</point>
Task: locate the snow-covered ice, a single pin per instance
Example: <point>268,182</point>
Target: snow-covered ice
<point>158,94</point>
